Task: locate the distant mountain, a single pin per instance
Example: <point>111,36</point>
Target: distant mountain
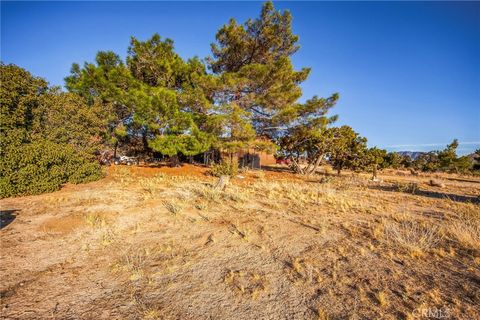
<point>412,154</point>
<point>415,154</point>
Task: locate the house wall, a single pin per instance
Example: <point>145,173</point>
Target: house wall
<point>267,159</point>
<point>252,159</point>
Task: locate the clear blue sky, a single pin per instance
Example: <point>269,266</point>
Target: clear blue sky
<point>408,73</point>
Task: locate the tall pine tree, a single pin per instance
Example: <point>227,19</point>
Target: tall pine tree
<point>256,74</point>
<point>155,97</point>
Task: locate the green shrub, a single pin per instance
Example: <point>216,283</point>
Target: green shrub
<point>43,166</point>
<point>47,137</point>
<point>226,167</point>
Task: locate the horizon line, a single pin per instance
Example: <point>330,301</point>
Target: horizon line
<point>431,144</point>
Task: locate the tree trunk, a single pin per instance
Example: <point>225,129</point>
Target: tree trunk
<point>174,162</point>
<point>374,173</point>
<point>296,167</point>
<point>115,150</point>
<point>315,165</point>
<point>145,141</point>
<point>222,183</point>
<point>309,167</point>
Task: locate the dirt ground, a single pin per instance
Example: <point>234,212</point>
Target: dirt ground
<point>161,243</point>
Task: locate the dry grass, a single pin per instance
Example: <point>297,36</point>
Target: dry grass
<point>150,244</point>
<point>246,283</point>
<point>96,219</point>
<point>173,207</point>
<point>382,299</point>
<point>413,236</point>
<point>466,228</point>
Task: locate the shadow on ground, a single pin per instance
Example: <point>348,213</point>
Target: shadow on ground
<point>289,170</point>
<point>430,194</point>
<point>462,180</point>
<point>7,217</point>
<point>277,169</point>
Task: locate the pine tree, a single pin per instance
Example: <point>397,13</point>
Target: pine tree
<point>105,82</point>
<point>373,160</point>
<point>308,136</point>
<point>255,73</point>
<point>393,160</point>
<point>155,97</point>
<point>347,150</point>
<point>427,161</point>
<point>448,156</point>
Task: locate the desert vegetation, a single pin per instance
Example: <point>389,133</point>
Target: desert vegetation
<point>163,243</point>
<point>335,229</point>
<point>245,96</point>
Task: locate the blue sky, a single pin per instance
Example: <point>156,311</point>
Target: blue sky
<point>408,73</point>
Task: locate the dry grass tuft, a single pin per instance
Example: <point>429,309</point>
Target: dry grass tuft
<point>133,262</point>
<point>322,315</point>
<point>123,175</point>
<point>108,237</point>
<point>466,230</point>
<point>173,207</point>
<point>151,314</point>
<point>246,283</point>
<point>304,271</point>
<point>96,219</point>
<point>210,194</point>
<point>413,236</point>
<point>382,298</point>
<point>410,187</point>
<point>151,187</point>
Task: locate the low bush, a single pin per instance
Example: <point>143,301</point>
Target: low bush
<point>43,166</point>
<point>226,167</point>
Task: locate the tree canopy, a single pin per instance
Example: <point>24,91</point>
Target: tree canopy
<point>244,96</point>
<point>155,96</point>
<point>255,72</point>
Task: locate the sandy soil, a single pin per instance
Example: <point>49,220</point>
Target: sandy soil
<point>161,243</point>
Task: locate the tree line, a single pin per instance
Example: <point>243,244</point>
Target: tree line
<point>245,95</point>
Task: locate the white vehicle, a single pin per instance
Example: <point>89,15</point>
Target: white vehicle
<point>125,160</point>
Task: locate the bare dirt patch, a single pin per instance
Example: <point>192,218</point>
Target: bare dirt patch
<point>63,225</point>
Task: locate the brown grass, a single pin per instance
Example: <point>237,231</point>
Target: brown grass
<point>161,243</point>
